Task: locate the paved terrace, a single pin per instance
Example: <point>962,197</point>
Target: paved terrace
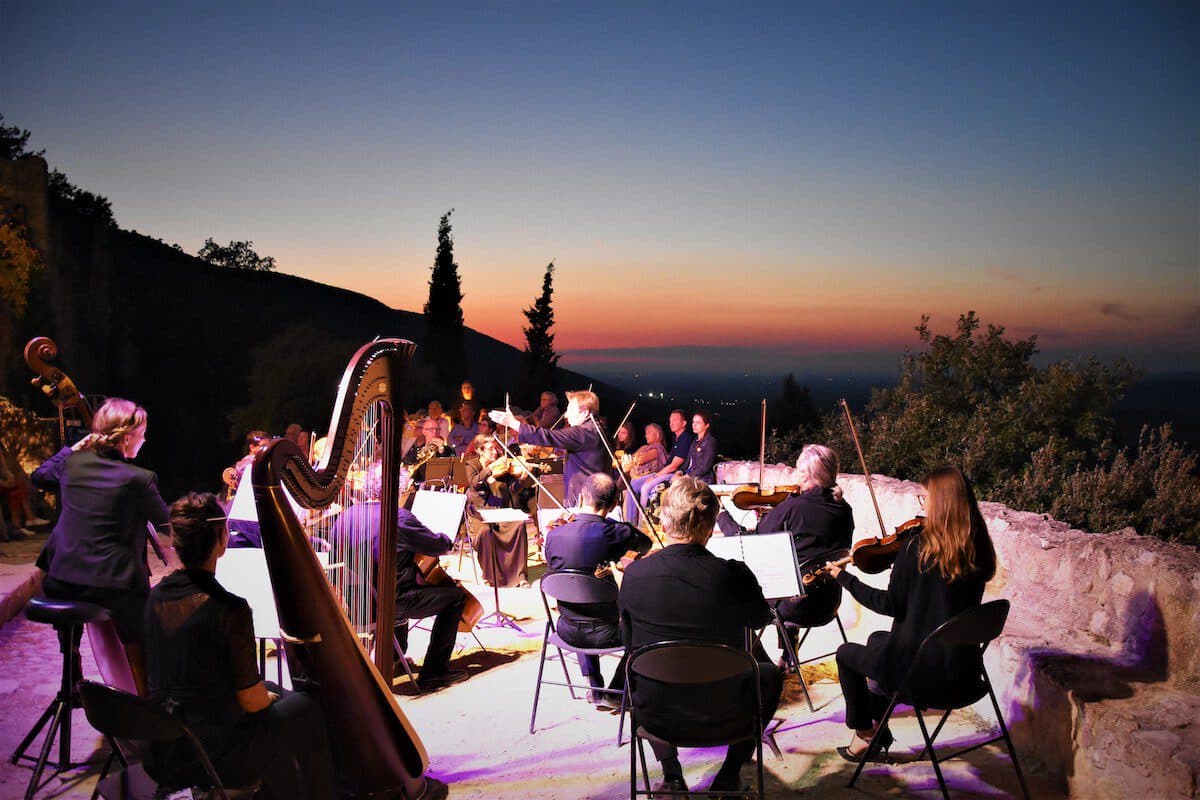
<point>477,732</point>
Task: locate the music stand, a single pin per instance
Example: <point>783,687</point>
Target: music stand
<point>490,517</point>
<point>441,512</point>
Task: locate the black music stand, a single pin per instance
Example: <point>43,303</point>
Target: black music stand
<point>497,618</point>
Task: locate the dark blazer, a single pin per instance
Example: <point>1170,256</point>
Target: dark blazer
<point>100,537</point>
<point>818,523</point>
<point>920,601</point>
<point>685,592</point>
<point>585,451</point>
<point>585,543</point>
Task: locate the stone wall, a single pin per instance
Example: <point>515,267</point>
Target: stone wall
<point>1098,669</point>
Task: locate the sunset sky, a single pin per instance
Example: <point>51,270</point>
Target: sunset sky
<point>758,186</point>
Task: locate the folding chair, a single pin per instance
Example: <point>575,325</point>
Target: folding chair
<point>975,627</point>
<point>573,587</point>
<point>119,715</point>
<point>708,677</point>
<point>785,628</point>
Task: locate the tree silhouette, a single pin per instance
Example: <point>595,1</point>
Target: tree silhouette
<point>444,348</point>
<point>235,255</point>
<point>14,144</point>
<point>540,357</point>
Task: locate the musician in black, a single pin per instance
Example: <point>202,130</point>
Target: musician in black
<point>358,527</point>
<point>590,540</point>
<point>498,481</point>
<point>940,571</point>
<point>819,521</point>
<point>686,592</point>
<point>202,668</point>
<point>97,551</point>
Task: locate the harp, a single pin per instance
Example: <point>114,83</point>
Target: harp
<point>377,753</point>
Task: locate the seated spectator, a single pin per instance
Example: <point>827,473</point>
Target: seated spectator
<point>202,667</point>
<point>680,448</point>
<point>702,458</point>
<point>15,488</point>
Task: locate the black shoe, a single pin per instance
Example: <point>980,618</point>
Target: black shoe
<point>604,701</point>
<point>662,790</point>
<point>439,679</point>
<point>881,755</point>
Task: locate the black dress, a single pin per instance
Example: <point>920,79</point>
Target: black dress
<point>919,601</point>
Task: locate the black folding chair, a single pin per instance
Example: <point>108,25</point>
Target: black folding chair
<point>707,678</point>
<point>574,587</point>
<point>975,627</point>
<point>120,715</point>
<point>785,628</point>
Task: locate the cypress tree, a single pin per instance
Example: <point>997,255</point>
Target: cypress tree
<point>444,349</point>
<point>541,360</point>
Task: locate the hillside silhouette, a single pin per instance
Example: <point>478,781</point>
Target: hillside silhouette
<point>208,351</point>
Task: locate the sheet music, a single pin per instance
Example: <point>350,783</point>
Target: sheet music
<point>498,515</point>
<point>441,512</point>
<point>770,556</point>
<point>243,571</point>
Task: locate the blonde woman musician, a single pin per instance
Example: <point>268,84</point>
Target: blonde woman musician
<point>97,551</point>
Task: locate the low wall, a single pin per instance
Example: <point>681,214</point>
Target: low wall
<point>1098,669</point>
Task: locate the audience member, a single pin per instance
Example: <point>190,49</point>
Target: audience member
<point>681,445</point>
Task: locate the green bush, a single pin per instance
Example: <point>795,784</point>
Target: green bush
<point>1035,438</point>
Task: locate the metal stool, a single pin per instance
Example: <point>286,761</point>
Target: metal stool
<point>68,618</point>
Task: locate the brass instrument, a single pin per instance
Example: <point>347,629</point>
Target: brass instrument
<point>377,753</point>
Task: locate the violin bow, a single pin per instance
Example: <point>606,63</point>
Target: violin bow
<point>628,487</point>
<point>863,462</point>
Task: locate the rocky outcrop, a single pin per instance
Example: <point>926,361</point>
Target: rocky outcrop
<point>1098,669</point>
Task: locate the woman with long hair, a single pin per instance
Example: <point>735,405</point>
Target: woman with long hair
<point>97,551</point>
<point>939,572</point>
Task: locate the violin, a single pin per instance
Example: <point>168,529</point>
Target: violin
<point>751,495</point>
<point>504,466</point>
<point>873,556</point>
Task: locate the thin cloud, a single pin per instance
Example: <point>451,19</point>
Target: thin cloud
<point>1013,276</point>
<point>1120,311</point>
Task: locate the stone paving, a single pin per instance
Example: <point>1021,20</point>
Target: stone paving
<point>477,732</point>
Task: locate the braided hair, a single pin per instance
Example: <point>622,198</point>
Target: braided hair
<point>115,420</point>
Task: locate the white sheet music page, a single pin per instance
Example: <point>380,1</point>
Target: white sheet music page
<point>770,556</point>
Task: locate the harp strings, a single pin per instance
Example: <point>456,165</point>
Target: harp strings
<point>349,550</point>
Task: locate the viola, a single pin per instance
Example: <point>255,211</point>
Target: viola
<point>751,496</point>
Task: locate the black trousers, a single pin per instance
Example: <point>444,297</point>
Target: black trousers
<point>289,750</point>
<point>855,663</point>
<point>592,633</point>
<point>770,682</point>
<point>445,604</point>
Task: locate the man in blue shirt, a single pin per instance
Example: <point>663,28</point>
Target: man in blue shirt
<point>586,542</point>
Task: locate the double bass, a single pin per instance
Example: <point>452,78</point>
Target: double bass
<point>376,750</point>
